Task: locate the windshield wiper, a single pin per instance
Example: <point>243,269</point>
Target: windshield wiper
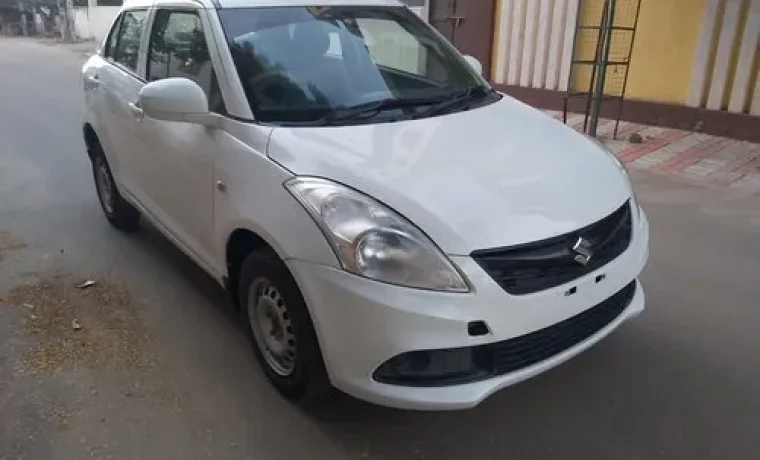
<point>370,109</point>
<point>434,106</point>
<point>457,99</point>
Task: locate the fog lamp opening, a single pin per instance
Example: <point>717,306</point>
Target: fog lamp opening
<point>435,368</point>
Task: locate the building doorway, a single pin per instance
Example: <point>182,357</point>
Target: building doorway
<point>468,24</point>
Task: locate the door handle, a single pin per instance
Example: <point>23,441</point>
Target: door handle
<point>92,82</point>
<point>136,110</point>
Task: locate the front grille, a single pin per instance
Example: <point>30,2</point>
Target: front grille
<point>529,349</point>
<point>549,263</point>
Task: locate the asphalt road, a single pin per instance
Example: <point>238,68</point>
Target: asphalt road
<point>680,382</point>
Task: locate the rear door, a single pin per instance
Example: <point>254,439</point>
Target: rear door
<point>94,93</point>
<point>120,84</point>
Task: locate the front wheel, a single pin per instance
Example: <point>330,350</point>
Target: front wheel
<point>118,211</point>
<point>284,339</point>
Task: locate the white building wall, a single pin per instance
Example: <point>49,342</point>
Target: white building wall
<point>82,23</point>
<point>534,42</point>
<point>94,21</point>
<point>711,86</point>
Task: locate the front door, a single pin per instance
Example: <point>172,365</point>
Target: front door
<point>468,24</point>
<point>180,156</point>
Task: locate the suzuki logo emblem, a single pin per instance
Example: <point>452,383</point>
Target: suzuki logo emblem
<point>582,249</point>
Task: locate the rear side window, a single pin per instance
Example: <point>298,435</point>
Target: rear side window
<point>126,47</point>
<point>178,49</point>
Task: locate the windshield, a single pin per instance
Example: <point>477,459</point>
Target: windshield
<point>316,64</point>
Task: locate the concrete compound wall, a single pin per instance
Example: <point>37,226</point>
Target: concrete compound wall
<point>93,22</point>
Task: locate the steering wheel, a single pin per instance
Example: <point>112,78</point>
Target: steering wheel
<point>275,78</point>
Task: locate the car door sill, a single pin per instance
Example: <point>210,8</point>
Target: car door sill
<point>174,240</point>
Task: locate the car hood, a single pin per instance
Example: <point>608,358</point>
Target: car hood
<point>500,175</point>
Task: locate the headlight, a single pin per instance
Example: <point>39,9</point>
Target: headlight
<point>371,240</point>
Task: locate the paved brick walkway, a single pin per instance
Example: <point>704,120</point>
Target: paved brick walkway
<point>689,155</point>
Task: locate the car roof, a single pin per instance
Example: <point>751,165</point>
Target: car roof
<point>258,3</point>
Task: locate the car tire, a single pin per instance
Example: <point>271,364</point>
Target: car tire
<point>117,210</point>
<point>280,327</point>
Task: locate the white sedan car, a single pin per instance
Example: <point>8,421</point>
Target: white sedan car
<point>387,223</point>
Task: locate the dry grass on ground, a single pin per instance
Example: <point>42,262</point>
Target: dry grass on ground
<point>73,328</point>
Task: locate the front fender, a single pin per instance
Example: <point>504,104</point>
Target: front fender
<point>255,199</point>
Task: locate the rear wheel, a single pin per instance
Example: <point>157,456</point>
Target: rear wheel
<point>282,332</point>
<point>118,211</point>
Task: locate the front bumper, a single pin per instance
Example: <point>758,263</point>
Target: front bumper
<point>362,323</point>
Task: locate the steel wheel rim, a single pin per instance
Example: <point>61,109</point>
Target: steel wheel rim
<point>272,327</point>
<point>105,188</point>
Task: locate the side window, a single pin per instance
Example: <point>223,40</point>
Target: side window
<point>178,49</point>
<point>127,46</point>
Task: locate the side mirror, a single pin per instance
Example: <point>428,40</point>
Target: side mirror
<point>475,64</point>
<point>176,99</point>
